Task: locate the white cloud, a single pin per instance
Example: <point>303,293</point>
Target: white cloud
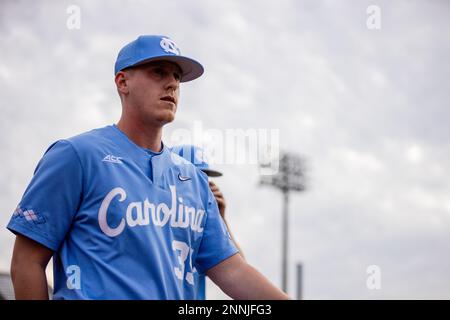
<point>414,154</point>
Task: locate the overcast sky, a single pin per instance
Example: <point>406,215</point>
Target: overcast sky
<point>367,108</point>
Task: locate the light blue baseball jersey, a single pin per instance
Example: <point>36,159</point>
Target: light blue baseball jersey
<point>124,222</point>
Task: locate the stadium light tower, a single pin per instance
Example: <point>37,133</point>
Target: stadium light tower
<point>290,177</point>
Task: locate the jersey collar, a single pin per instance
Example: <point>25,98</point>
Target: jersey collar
<point>160,161</point>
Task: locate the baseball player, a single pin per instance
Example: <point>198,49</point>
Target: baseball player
<point>196,155</point>
<point>120,215</point>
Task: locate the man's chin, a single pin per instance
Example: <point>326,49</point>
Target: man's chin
<point>167,118</point>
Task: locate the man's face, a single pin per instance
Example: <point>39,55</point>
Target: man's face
<point>153,91</point>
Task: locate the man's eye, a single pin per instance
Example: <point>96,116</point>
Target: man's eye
<point>158,71</point>
<point>177,76</point>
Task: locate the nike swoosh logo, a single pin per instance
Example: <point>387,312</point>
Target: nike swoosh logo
<point>183,178</point>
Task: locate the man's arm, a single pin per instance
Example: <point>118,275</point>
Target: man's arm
<point>241,281</point>
<point>222,205</point>
<point>28,265</point>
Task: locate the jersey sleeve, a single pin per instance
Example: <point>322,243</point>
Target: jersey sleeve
<point>216,244</point>
<point>51,200</point>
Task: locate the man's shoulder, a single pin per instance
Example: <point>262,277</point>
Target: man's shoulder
<point>91,137</point>
<point>86,143</point>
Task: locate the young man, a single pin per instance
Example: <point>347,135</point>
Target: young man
<point>196,156</point>
<point>120,217</point>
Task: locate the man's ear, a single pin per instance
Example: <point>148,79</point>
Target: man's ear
<point>121,80</point>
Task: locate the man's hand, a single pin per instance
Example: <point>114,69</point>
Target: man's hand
<point>222,205</point>
<point>219,198</point>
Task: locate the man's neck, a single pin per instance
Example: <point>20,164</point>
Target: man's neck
<point>143,135</point>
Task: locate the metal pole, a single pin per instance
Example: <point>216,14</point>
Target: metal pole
<point>285,241</point>
<point>299,281</point>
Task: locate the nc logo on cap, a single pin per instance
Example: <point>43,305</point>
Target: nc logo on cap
<point>169,46</point>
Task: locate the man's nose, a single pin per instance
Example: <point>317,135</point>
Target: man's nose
<point>173,83</point>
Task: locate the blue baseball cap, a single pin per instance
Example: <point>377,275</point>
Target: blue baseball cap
<point>196,156</point>
<point>148,48</point>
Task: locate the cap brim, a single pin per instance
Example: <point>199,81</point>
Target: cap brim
<point>212,173</point>
<point>191,69</point>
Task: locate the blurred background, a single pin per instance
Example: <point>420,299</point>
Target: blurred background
<point>357,88</point>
